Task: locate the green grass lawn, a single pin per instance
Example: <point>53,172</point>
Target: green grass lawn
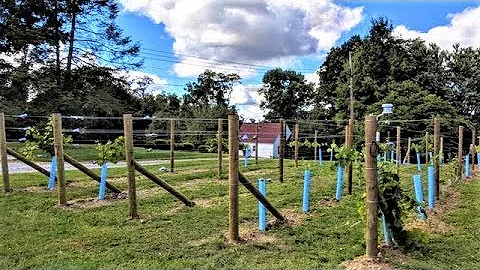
<point>87,152</point>
<point>36,233</point>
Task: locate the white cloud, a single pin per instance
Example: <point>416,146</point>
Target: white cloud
<point>312,77</point>
<point>247,99</point>
<point>250,32</point>
<point>464,28</point>
<point>157,86</point>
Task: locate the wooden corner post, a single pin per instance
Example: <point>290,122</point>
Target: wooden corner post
<point>315,147</point>
<point>220,147</point>
<point>350,145</point>
<point>172,145</point>
<point>371,236</point>
<point>436,154</point>
<point>132,193</point>
<point>3,154</point>
<point>281,148</point>
<point>460,152</point>
<point>58,147</point>
<point>233,144</point>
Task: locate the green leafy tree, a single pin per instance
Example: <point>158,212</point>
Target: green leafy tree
<point>287,94</point>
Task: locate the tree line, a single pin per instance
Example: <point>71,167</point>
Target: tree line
<point>68,56</point>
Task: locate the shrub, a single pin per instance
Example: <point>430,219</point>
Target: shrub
<point>203,149</point>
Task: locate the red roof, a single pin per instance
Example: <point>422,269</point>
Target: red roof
<point>267,132</point>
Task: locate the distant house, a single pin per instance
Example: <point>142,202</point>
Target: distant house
<point>268,138</point>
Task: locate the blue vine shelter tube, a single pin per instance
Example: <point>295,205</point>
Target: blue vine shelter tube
<point>338,195</point>
<point>431,186</point>
<point>467,166</point>
<point>386,232</point>
<point>320,158</point>
<point>103,181</point>
<point>417,184</point>
<point>392,156</point>
<point>331,155</point>
<point>53,173</point>
<point>431,155</point>
<point>262,212</point>
<point>306,191</point>
<point>478,158</point>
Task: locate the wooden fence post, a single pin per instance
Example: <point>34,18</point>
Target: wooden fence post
<point>436,154</point>
<point>460,152</point>
<point>350,166</point>
<point>233,142</point>
<point>132,193</point>
<point>281,149</point>
<point>315,147</point>
<point>296,144</point>
<point>426,148</point>
<point>172,145</point>
<point>58,145</point>
<point>256,144</point>
<point>3,154</point>
<point>371,236</point>
<point>219,147</point>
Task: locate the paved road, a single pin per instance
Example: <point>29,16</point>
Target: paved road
<point>15,166</point>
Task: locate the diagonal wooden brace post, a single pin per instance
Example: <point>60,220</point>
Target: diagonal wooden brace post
<point>259,197</point>
<point>88,172</point>
<point>30,163</point>
<point>163,184</point>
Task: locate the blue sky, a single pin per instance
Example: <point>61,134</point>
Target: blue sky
<point>259,34</point>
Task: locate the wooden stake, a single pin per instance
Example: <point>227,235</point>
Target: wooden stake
<point>132,193</point>
<point>371,236</point>
<point>315,147</point>
<point>460,152</point>
<point>436,154</point>
<point>280,149</point>
<point>256,144</point>
<point>399,151</point>
<point>219,147</point>
<point>172,145</point>
<point>409,146</point>
<point>441,148</point>
<point>426,148</point>
<point>3,154</point>
<point>58,145</point>
<point>233,142</point>
<point>350,166</point>
<point>296,144</point>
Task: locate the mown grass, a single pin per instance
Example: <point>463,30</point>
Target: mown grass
<point>36,233</point>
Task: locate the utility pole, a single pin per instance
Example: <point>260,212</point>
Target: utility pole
<point>349,131</point>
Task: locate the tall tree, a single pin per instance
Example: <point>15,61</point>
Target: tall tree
<point>287,94</point>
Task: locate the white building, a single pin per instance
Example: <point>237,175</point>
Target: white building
<point>268,138</point>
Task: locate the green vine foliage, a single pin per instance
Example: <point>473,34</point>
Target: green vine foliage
<point>345,155</point>
<point>394,202</point>
<point>37,139</point>
<point>111,151</point>
<point>305,143</point>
